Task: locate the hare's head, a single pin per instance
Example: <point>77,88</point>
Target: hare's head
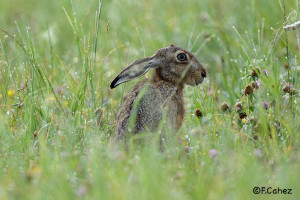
<point>172,64</point>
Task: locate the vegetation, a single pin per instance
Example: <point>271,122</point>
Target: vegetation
<point>57,59</point>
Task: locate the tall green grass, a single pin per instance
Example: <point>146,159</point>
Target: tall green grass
<point>57,59</point>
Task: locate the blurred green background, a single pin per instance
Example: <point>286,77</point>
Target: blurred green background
<point>54,146</point>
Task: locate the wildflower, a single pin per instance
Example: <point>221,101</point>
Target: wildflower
<point>288,88</point>
<point>198,113</point>
<point>186,149</point>
<point>238,106</point>
<point>81,191</point>
<point>36,170</point>
<point>22,86</point>
<point>257,152</point>
<point>286,66</point>
<point>255,84</point>
<point>213,153</point>
<point>266,105</point>
<point>66,103</point>
<point>33,172</point>
<point>35,134</point>
<point>266,72</point>
<point>224,107</point>
<point>248,90</point>
<point>244,120</point>
<point>11,93</point>
<point>255,72</point>
<point>242,114</point>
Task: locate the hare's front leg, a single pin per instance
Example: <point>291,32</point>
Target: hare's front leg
<point>150,112</point>
<point>176,112</point>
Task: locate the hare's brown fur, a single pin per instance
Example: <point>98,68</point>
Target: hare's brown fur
<point>163,91</point>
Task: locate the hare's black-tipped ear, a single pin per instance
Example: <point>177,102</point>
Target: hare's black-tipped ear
<point>134,70</point>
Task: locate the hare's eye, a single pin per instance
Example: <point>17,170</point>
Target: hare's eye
<point>181,57</point>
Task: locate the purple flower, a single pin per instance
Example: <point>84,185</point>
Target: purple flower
<point>266,72</point>
<point>81,191</point>
<point>258,83</point>
<point>59,90</point>
<point>186,149</point>
<point>288,88</point>
<point>213,153</point>
<point>289,85</point>
<point>266,105</point>
<point>255,85</point>
<point>22,86</point>
<point>257,152</point>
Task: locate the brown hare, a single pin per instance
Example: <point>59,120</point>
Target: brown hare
<point>173,67</point>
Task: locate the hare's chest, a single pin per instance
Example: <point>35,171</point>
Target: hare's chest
<point>176,112</point>
<point>173,106</point>
<point>155,106</point>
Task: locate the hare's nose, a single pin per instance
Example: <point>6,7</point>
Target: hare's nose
<point>203,73</point>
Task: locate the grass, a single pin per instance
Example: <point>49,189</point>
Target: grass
<point>57,59</point>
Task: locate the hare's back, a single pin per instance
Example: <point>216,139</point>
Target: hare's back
<point>123,116</point>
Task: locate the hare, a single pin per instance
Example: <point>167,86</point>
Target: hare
<point>174,67</point>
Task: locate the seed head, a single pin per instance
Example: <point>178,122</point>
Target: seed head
<point>35,134</point>
<point>248,90</point>
<point>238,106</point>
<point>286,66</point>
<point>255,72</point>
<point>242,114</point>
<point>288,88</point>
<point>198,113</point>
<point>224,107</point>
<point>255,85</point>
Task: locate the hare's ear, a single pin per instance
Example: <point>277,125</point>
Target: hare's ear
<point>134,70</point>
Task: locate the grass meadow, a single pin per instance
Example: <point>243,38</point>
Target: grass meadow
<point>57,59</point>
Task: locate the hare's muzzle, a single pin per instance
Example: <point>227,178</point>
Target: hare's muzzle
<point>200,78</point>
<point>203,73</point>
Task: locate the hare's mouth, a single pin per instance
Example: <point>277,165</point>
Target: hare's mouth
<point>199,82</point>
<point>195,82</point>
